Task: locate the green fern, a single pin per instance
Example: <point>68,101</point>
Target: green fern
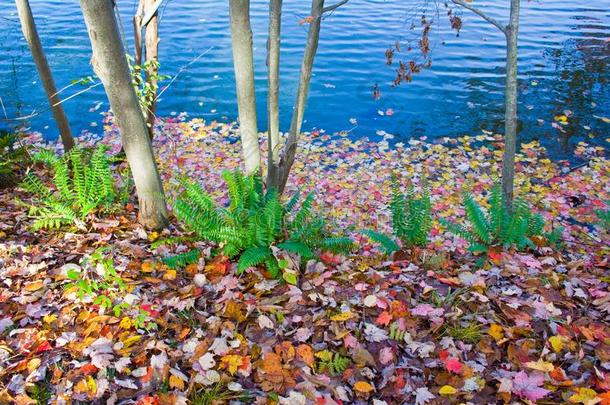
<point>335,364</point>
<point>182,259</point>
<point>253,257</point>
<point>496,226</point>
<point>253,221</point>
<point>82,184</point>
<point>411,219</point>
<point>387,243</point>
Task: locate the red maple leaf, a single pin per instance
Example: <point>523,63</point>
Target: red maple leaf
<point>454,365</point>
<point>384,318</point>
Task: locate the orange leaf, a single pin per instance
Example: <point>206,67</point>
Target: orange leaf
<point>306,20</point>
<point>363,387</point>
<point>384,318</point>
<point>305,353</point>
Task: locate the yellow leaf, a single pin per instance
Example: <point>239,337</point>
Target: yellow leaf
<point>36,285</point>
<point>325,355</point>
<point>496,331</point>
<point>540,365</point>
<point>343,316</point>
<point>34,364</point>
<point>561,118</point>
<point>125,323</point>
<point>447,390</point>
<point>557,343</point>
<point>131,340</point>
<point>176,383</point>
<point>86,386</point>
<point>585,396</point>
<point>363,387</point>
<point>49,318</point>
<point>91,384</point>
<point>170,275</point>
<point>232,362</point>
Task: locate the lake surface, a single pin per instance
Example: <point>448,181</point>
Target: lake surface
<point>564,54</point>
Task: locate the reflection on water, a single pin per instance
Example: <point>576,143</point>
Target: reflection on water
<point>564,52</point>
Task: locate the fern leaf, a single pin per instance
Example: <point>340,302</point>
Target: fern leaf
<point>388,245</point>
<point>298,248</point>
<point>476,217</point>
<point>182,259</point>
<point>253,257</point>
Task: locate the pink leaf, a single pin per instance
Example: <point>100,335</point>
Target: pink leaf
<point>453,365</point>
<point>386,356</point>
<point>528,386</point>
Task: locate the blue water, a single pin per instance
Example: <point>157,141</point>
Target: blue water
<point>564,53</point>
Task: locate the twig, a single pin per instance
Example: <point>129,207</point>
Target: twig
<point>334,6</point>
<point>182,69</point>
<point>34,114</point>
<point>475,10</point>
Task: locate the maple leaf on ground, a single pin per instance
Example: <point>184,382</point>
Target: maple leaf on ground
<point>423,396</point>
<point>528,386</point>
<point>384,318</point>
<point>454,366</point>
<point>585,396</point>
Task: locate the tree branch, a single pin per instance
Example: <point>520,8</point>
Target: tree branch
<point>334,6</point>
<point>475,10</point>
<point>151,13</point>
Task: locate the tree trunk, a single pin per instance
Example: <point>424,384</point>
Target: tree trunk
<point>273,110</point>
<point>137,32</point>
<point>152,54</point>
<point>243,62</point>
<point>28,26</point>
<point>510,128</point>
<point>311,48</point>
<point>110,65</point>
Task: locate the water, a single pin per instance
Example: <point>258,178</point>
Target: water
<point>564,53</point>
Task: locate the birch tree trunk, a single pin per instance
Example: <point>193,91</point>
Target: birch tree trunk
<point>313,37</point>
<point>273,110</point>
<point>152,54</point>
<point>510,125</point>
<point>28,26</point>
<point>243,63</point>
<point>110,65</point>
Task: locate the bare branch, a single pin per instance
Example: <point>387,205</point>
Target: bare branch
<point>334,6</point>
<point>151,13</point>
<point>475,10</point>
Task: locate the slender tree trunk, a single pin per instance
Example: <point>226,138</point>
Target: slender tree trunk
<point>110,65</point>
<point>510,129</point>
<point>243,62</point>
<point>28,26</point>
<point>137,32</point>
<point>152,54</point>
<point>273,109</point>
<point>311,48</point>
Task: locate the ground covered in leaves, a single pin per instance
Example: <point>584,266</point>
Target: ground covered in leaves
<point>425,328</point>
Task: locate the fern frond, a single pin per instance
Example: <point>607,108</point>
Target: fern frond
<point>342,245</point>
<point>476,217</point>
<point>253,257</point>
<point>182,259</point>
<point>298,248</point>
<point>388,245</point>
<point>304,213</point>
